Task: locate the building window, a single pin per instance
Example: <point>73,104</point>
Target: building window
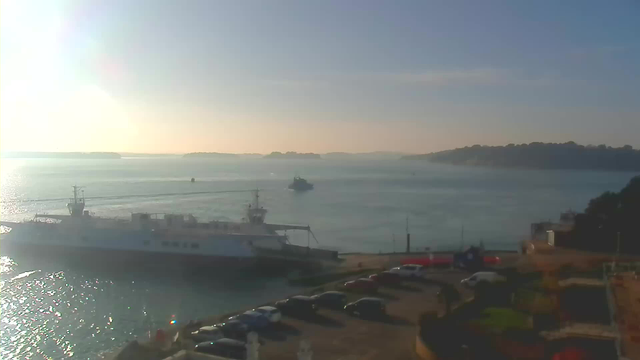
<point>165,243</point>
<point>184,245</point>
<point>176,244</point>
<point>195,245</point>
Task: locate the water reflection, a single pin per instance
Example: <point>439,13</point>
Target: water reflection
<point>56,311</point>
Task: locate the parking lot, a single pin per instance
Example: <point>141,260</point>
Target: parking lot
<point>335,334</point>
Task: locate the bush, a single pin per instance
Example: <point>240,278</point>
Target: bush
<point>498,320</point>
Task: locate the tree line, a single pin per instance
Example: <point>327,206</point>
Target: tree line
<point>610,220</point>
<point>539,155</point>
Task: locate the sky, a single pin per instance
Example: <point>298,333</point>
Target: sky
<point>166,76</point>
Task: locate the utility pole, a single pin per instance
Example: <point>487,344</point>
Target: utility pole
<point>408,237</point>
<point>394,242</point>
<point>618,248</point>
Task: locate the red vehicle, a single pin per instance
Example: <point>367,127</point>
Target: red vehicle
<point>364,285</point>
<point>441,261</point>
<point>386,278</point>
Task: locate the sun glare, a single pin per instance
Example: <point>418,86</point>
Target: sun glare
<point>45,104</point>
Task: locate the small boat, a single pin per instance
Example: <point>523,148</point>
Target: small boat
<point>300,184</point>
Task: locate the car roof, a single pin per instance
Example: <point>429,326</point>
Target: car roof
<point>364,279</point>
<point>229,322</point>
<point>485,273</point>
<point>268,308</point>
<point>371,299</point>
<point>251,313</point>
<point>232,342</point>
<point>333,293</point>
<point>412,265</point>
<point>223,341</point>
<point>302,297</point>
<point>209,328</point>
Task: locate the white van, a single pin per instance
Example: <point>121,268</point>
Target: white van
<point>486,276</point>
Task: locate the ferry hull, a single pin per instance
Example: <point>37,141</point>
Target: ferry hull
<point>144,250</point>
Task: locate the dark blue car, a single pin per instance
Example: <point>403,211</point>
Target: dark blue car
<point>254,320</point>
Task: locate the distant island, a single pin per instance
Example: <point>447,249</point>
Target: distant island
<point>292,155</point>
<point>148,155</point>
<point>250,155</point>
<point>374,155</point>
<point>59,155</point>
<point>539,155</point>
<point>209,155</point>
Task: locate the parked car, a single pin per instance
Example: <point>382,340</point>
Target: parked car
<point>409,271</point>
<point>207,333</point>
<point>331,299</point>
<point>386,278</point>
<point>364,285</point>
<point>367,307</point>
<point>254,320</point>
<point>271,313</point>
<point>301,305</point>
<point>488,277</point>
<point>228,348</point>
<point>234,329</point>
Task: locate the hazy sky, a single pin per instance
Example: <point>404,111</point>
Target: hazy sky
<point>262,76</point>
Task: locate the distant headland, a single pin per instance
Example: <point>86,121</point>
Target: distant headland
<point>59,155</point>
<point>209,155</point>
<point>374,155</point>
<point>292,155</point>
<point>539,155</point>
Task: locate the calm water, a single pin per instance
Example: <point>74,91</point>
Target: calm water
<point>55,312</point>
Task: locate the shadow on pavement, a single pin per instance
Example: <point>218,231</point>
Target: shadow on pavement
<point>397,320</point>
<point>427,281</point>
<point>405,287</point>
<point>389,319</point>
<point>320,319</point>
<point>279,332</point>
<point>386,296</point>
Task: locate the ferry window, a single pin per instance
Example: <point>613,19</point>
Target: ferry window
<point>195,245</point>
<point>165,243</point>
<point>146,242</point>
<point>184,245</point>
<point>176,244</point>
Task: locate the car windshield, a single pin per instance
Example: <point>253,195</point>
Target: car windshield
<point>168,165</point>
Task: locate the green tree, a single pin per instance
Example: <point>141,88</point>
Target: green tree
<point>607,216</point>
